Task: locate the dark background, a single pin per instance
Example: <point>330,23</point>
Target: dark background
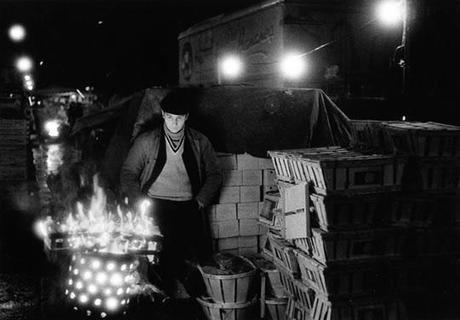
<point>136,47</point>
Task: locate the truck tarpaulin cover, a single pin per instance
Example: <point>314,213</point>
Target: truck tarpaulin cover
<point>240,119</point>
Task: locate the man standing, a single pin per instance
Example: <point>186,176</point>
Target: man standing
<point>176,167</point>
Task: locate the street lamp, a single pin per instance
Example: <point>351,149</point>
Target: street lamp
<point>24,64</point>
<point>17,33</point>
<point>391,12</point>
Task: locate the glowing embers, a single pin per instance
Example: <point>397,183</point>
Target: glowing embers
<point>102,284</point>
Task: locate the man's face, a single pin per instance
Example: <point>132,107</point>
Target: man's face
<point>174,122</point>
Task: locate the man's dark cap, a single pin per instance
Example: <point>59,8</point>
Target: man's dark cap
<point>176,102</point>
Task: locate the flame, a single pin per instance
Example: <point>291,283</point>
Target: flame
<point>98,229</point>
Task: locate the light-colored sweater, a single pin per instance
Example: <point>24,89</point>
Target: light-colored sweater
<point>173,183</point>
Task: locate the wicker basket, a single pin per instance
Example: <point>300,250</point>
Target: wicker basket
<point>228,311</point>
<point>235,288</point>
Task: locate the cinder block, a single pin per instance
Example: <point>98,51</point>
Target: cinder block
<point>225,212</point>
<point>249,227</point>
<point>232,178</point>
<point>250,194</point>
<point>269,177</point>
<point>211,211</point>
<point>246,242</point>
<point>246,161</point>
<point>228,243</point>
<point>265,163</point>
<point>229,195</point>
<point>224,229</point>
<point>252,177</point>
<point>248,210</point>
<point>227,161</point>
<point>248,251</point>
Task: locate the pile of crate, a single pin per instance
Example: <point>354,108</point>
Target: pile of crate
<point>14,138</point>
<point>234,218</point>
<point>329,233</point>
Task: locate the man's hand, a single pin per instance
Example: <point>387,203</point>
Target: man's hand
<point>199,204</point>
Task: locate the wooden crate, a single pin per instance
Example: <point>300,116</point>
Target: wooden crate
<point>434,242</point>
<point>330,247</point>
<point>416,210</point>
<point>370,136</point>
<point>359,278</point>
<point>296,289</point>
<point>388,308</point>
<point>434,175</point>
<point>340,171</point>
<point>283,253</point>
<point>356,212</point>
<point>424,139</point>
<point>270,274</point>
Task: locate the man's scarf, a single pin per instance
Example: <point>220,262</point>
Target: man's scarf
<point>175,140</point>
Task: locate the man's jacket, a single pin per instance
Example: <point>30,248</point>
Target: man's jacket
<point>147,157</point>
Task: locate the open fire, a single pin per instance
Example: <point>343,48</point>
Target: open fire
<point>102,275</point>
<point>98,229</point>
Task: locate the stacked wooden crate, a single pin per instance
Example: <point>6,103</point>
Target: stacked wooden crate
<point>234,218</point>
<point>329,237</point>
<point>433,177</point>
<point>13,149</point>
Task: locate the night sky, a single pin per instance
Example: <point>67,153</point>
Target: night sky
<point>136,44</point>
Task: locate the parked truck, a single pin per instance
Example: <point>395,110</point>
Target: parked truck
<point>355,63</point>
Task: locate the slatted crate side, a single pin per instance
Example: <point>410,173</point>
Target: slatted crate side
<point>411,210</point>
<point>411,276</point>
<point>369,308</point>
<point>437,242</point>
<point>284,253</point>
<point>343,279</point>
<point>439,175</point>
<point>447,210</point>
<point>363,174</point>
<point>357,245</point>
<point>305,245</point>
<point>282,166</point>
<point>425,139</point>
<point>370,136</point>
<point>296,289</point>
<point>342,213</point>
<point>294,311</point>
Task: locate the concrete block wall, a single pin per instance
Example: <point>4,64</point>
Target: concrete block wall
<point>234,217</point>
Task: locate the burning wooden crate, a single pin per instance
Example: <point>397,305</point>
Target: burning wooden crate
<point>424,139</point>
<point>339,171</point>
